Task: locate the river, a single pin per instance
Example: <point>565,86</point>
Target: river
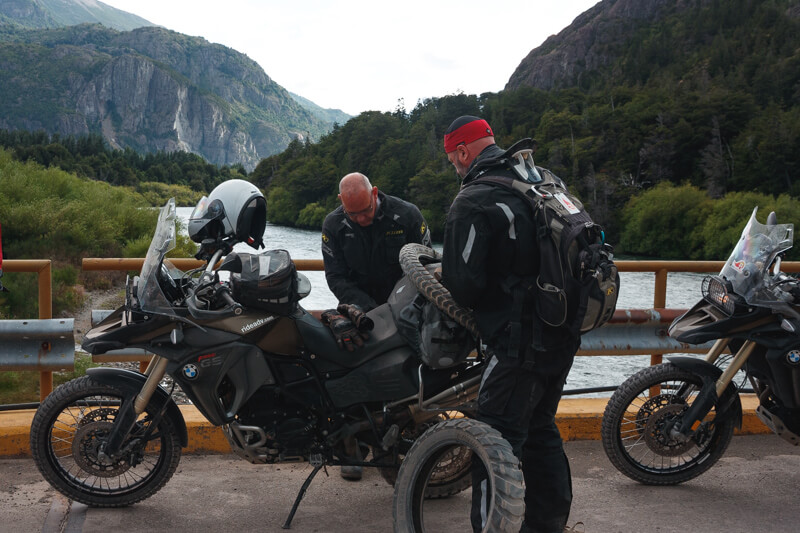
<point>636,292</point>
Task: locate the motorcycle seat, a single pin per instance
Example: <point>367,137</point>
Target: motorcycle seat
<point>319,340</point>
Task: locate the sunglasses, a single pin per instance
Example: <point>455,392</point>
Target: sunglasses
<point>363,212</point>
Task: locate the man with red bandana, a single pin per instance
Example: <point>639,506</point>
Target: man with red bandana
<point>489,247</point>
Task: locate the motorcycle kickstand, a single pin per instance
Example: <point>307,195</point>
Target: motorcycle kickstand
<point>288,523</point>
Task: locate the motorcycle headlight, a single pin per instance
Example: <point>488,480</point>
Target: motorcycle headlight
<point>715,291</point>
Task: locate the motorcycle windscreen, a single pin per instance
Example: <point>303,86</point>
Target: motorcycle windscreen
<point>748,266</point>
<point>151,297</point>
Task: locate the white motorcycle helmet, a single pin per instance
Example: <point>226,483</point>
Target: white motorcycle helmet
<point>234,211</point>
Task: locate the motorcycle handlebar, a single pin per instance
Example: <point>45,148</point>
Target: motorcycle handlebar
<point>232,307</point>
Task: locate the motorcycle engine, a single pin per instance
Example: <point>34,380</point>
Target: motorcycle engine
<point>273,430</point>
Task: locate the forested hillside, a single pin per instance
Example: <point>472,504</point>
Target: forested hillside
<point>705,95</point>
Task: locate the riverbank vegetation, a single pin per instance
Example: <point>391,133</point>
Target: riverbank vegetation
<point>47,213</point>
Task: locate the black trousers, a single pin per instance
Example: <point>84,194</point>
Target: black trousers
<point>519,397</point>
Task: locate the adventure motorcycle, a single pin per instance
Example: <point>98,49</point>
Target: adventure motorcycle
<point>671,422</point>
<point>251,360</point>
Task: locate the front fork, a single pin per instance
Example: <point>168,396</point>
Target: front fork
<point>713,386</point>
<point>130,409</point>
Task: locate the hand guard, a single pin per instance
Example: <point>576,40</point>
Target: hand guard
<point>344,331</point>
<point>357,316</point>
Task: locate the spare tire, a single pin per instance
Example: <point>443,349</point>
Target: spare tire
<point>413,258</point>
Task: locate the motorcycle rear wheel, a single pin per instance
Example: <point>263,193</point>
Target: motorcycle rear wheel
<point>67,432</point>
<point>452,473</point>
<point>505,484</point>
<point>634,422</point>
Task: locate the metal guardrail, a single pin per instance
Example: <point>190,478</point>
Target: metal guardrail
<point>40,345</point>
<point>41,267</point>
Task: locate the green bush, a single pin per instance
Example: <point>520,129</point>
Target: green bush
<point>51,214</point>
<point>281,207</point>
<point>669,222</point>
<point>312,216</point>
<point>663,222</point>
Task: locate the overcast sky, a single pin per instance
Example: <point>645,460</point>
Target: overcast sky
<point>361,55</point>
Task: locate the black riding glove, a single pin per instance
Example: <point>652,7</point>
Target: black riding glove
<point>344,331</point>
<point>359,317</point>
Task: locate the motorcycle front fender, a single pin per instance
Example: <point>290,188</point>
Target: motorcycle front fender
<point>131,383</point>
<point>728,405</point>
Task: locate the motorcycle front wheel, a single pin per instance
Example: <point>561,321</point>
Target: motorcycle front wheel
<point>636,425</point>
<point>67,435</point>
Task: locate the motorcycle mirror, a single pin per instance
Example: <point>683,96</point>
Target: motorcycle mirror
<point>772,219</point>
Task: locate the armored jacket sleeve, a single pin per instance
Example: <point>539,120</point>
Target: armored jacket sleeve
<point>337,273</point>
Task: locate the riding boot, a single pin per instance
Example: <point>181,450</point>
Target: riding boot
<point>352,472</point>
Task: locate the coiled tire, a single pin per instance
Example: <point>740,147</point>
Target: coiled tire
<point>413,258</point>
<point>505,484</point>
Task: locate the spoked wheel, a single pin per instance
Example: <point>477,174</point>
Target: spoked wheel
<point>505,486</point>
<point>69,431</point>
<point>451,475</point>
<point>636,425</point>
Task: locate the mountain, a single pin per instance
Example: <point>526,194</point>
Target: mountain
<point>630,42</point>
<point>148,89</point>
<point>55,13</point>
<point>334,116</point>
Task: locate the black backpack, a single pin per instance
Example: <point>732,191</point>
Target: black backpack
<point>577,285</point>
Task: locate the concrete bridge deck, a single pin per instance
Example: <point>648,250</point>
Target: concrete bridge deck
<point>752,489</point>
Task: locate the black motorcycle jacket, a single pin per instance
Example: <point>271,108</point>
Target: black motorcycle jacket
<point>361,263</point>
<point>489,246</point>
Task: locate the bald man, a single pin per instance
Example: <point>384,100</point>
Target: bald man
<point>361,241</point>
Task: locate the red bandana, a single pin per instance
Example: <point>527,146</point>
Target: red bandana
<point>471,131</point>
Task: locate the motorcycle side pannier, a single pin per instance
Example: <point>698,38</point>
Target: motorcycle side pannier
<point>268,281</point>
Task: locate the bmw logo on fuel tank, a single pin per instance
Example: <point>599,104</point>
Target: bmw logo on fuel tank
<point>793,357</point>
<point>190,371</point>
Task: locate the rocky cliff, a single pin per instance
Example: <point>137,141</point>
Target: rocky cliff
<point>148,89</point>
<point>593,41</point>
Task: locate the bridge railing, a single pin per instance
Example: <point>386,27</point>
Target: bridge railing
<point>630,332</point>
